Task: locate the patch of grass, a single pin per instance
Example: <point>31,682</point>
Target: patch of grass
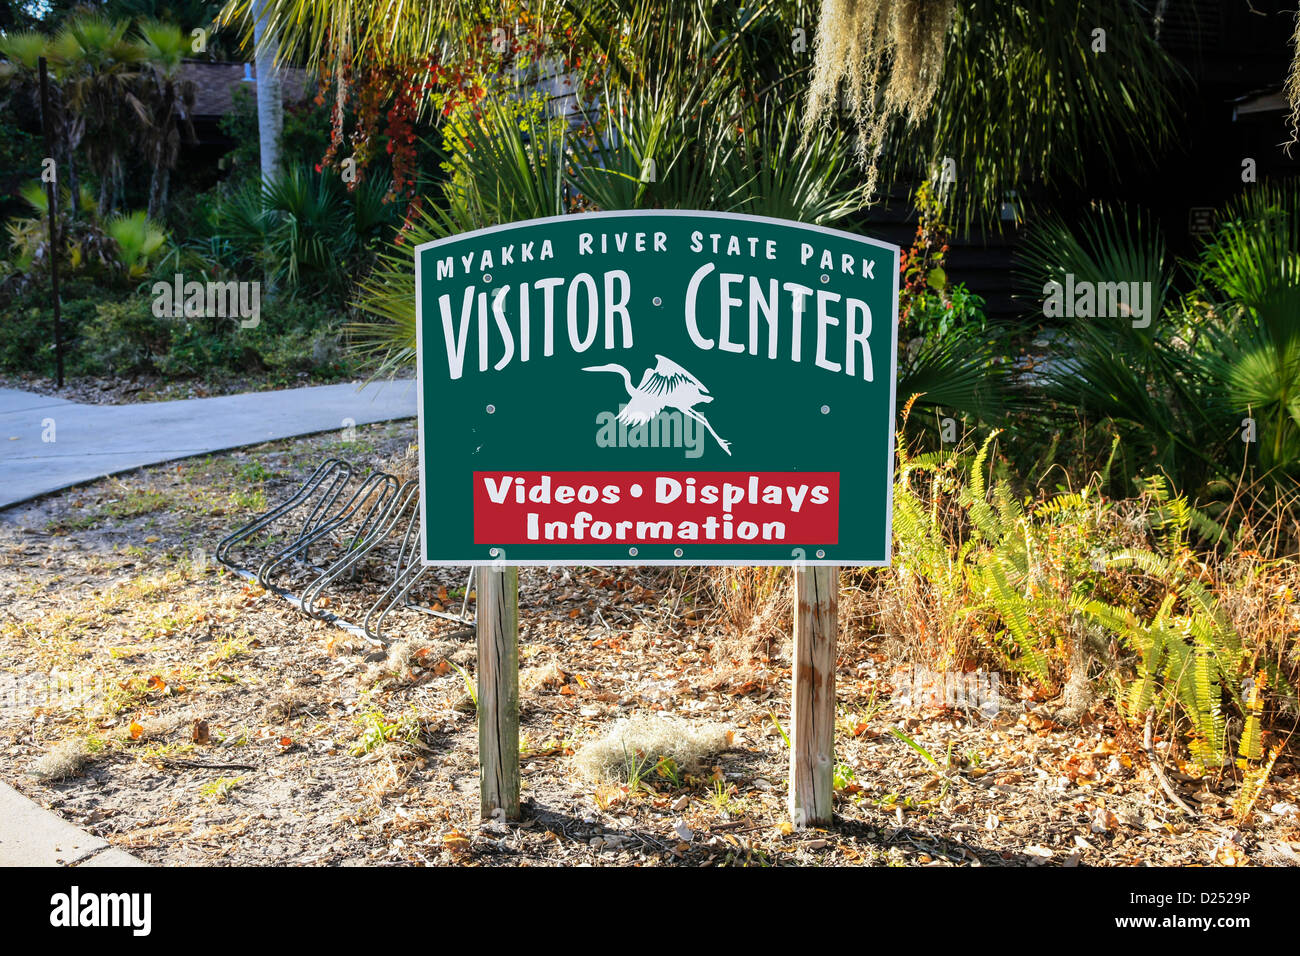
<point>124,695</point>
<point>228,648</point>
<point>469,683</point>
<point>722,797</point>
<point>377,730</point>
<point>81,522</point>
<point>162,751</point>
<point>236,738</point>
<point>353,446</point>
<point>135,502</point>
<point>247,499</point>
<point>218,790</point>
<point>667,769</point>
<point>253,471</point>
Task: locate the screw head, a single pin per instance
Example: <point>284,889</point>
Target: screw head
<point>821,553</point>
<point>491,409</point>
<point>657,301</point>
<point>632,552</point>
<point>487,277</point>
<point>826,409</point>
<point>677,552</point>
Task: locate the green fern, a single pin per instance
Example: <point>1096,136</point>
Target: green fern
<point>1013,607</point>
<point>1192,658</point>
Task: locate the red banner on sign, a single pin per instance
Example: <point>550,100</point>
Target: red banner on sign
<point>676,507</point>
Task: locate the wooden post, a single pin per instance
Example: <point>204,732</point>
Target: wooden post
<point>812,713</point>
<point>497,615</point>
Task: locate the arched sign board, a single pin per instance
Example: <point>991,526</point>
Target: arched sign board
<point>657,387</point>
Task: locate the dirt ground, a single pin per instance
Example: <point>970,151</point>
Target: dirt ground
<point>220,726</point>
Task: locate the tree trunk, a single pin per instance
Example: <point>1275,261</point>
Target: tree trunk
<point>158,191</point>
<point>105,193</point>
<point>270,107</point>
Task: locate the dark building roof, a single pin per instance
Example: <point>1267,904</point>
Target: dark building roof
<point>215,84</point>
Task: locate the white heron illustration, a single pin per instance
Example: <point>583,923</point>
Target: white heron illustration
<point>667,385</point>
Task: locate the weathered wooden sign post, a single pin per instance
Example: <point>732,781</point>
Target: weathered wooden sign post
<point>657,387</point>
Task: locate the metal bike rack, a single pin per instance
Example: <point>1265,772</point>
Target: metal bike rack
<point>346,536</point>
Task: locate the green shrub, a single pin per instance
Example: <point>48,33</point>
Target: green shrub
<point>298,335</point>
<point>124,337</point>
<point>293,336</point>
<point>27,326</point>
<point>195,350</point>
<point>303,232</point>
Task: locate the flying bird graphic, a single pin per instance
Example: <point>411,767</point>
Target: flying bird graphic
<point>667,385</point>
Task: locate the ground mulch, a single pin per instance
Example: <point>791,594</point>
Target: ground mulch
<point>229,729</point>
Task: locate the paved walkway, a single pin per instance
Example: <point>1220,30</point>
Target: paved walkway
<point>33,836</point>
<point>47,444</point>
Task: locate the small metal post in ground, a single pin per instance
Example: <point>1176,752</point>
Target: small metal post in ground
<point>52,199</point>
<point>812,713</point>
<point>497,614</point>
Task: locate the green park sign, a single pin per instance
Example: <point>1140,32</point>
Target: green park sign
<point>656,387</point>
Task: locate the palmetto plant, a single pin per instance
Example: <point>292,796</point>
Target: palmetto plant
<point>507,163</point>
<point>1251,265</point>
<point>112,93</point>
<point>304,231</point>
<point>138,240</point>
<point>22,52</point>
<point>513,171</point>
<point>1139,375</point>
<point>84,244</point>
<point>1216,366</point>
<point>523,166</point>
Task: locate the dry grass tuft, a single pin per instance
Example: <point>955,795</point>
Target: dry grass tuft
<point>401,658</point>
<point>287,703</point>
<point>65,759</point>
<point>404,465</point>
<point>642,741</point>
<point>549,677</point>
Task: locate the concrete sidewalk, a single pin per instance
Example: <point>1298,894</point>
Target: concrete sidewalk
<point>33,836</point>
<point>93,441</point>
